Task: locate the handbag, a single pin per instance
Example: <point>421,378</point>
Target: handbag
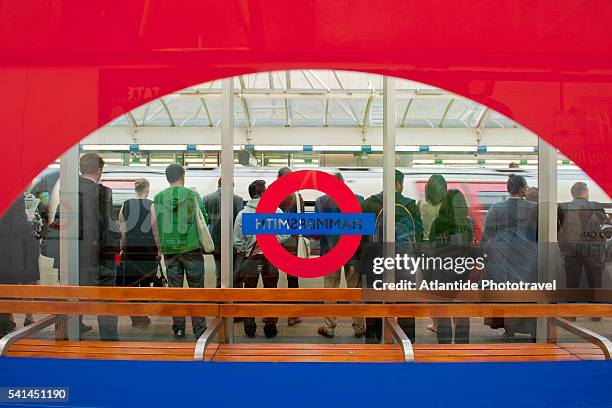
<point>206,242</point>
<point>159,280</point>
<point>303,243</point>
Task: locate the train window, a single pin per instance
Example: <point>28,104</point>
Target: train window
<point>488,198</point>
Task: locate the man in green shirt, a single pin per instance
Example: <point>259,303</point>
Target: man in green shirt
<point>175,212</point>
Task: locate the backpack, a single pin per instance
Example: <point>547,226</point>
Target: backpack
<point>405,227</point>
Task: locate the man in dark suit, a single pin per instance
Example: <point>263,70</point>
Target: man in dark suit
<point>580,237</point>
<point>212,203</point>
<point>98,235</point>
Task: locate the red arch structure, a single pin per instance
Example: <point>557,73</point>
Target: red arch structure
<point>67,67</point>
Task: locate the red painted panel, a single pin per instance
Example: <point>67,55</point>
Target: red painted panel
<point>69,66</point>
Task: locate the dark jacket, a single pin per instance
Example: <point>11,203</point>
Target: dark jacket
<point>212,203</point>
<point>454,239</point>
<point>20,249</point>
<point>374,205</point>
<point>579,232</point>
<point>326,205</point>
<point>289,205</point>
<point>98,232</point>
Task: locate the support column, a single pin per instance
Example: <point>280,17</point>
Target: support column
<point>227,191</point>
<point>547,222</point>
<point>388,181</point>
<point>69,231</point>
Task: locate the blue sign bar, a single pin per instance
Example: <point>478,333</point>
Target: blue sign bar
<point>308,148</point>
<point>308,224</point>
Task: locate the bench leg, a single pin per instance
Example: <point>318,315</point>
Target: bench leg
<point>207,337</point>
<point>6,341</point>
<point>600,341</point>
<point>398,334</point>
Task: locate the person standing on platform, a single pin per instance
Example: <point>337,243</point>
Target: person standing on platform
<point>98,235</point>
<point>408,233</point>
<point>175,211</point>
<point>212,203</point>
<point>510,242</point>
<point>326,205</point>
<point>290,205</point>
<point>254,260</point>
<point>435,189</point>
<point>20,255</point>
<point>139,243</point>
<point>452,237</point>
<point>580,240</point>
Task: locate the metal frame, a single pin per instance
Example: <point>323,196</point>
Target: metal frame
<point>443,118</point>
<point>210,122</point>
<point>206,338</point>
<point>9,339</point>
<point>167,109</point>
<point>69,236</point>
<point>227,192</point>
<point>547,221</point>
<point>402,339</point>
<point>245,105</point>
<point>600,341</point>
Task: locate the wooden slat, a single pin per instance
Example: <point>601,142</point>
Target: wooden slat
<point>499,352</point>
<point>475,359</point>
<point>392,310</point>
<point>98,356</point>
<point>305,346</point>
<point>291,295</point>
<point>95,343</point>
<point>309,359</point>
<point>297,295</point>
<point>485,346</point>
<point>109,308</point>
<point>109,293</point>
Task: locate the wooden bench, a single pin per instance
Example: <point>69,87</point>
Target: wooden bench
<point>61,301</point>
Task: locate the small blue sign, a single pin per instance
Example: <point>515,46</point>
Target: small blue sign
<point>308,224</point>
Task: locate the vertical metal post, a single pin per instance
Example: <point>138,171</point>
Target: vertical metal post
<point>227,191</point>
<point>547,222</point>
<point>388,177</point>
<point>69,231</point>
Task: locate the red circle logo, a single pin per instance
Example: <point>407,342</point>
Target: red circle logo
<point>308,180</point>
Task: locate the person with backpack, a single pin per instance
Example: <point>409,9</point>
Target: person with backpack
<point>326,205</point>
<point>408,232</point>
<point>580,239</point>
<point>212,203</point>
<point>176,211</point>
<point>452,236</point>
<point>254,262</point>
<point>509,242</point>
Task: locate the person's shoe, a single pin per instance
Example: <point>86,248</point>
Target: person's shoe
<point>322,332</point>
<point>270,331</point>
<point>28,322</point>
<point>595,319</point>
<point>359,334</point>
<point>85,328</point>
<point>292,321</point>
<point>179,333</point>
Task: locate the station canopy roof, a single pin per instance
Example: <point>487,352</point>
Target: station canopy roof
<point>313,98</point>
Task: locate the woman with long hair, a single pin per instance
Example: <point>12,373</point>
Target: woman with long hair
<point>452,236</point>
<point>435,190</point>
